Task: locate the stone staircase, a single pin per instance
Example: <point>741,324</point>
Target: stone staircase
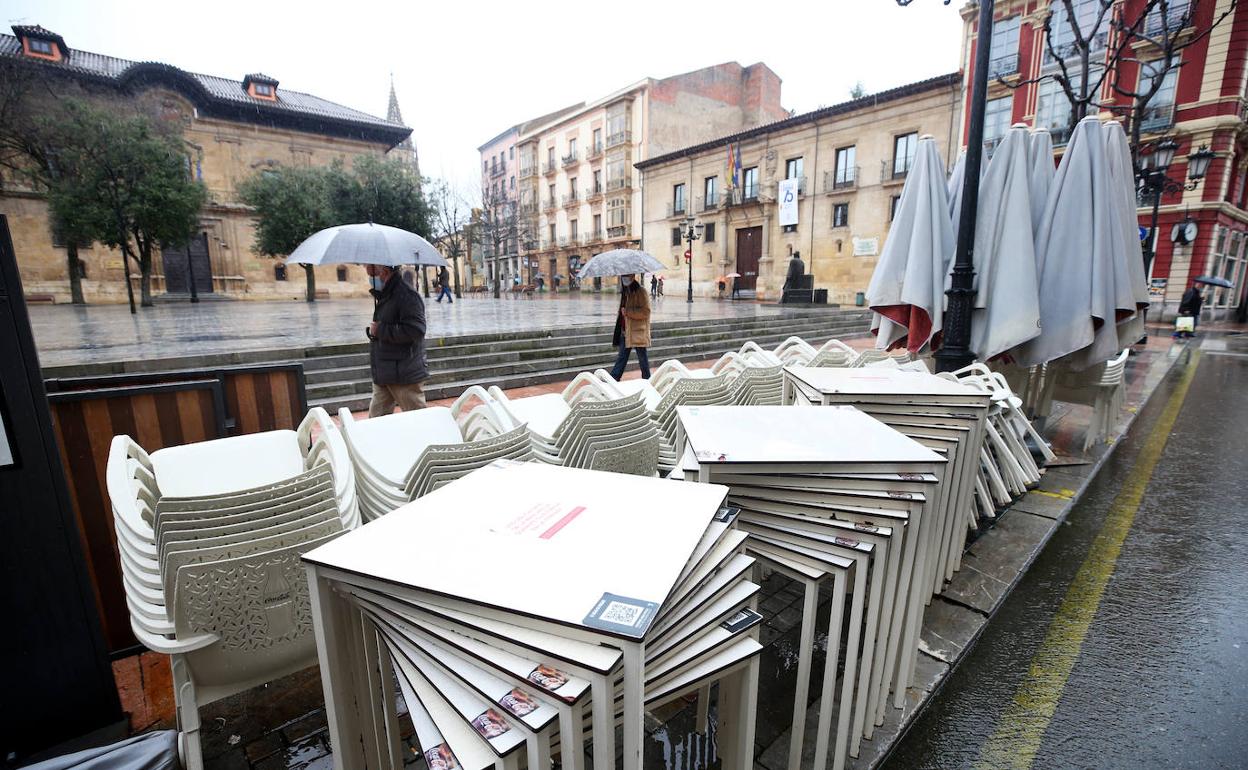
<point>338,376</point>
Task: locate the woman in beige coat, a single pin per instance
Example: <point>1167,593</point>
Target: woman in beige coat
<point>635,318</point>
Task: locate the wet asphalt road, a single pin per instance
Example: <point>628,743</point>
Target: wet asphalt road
<point>1160,678</point>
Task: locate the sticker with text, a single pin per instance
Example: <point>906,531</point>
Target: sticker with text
<point>741,621</point>
<point>440,758</point>
<point>548,678</point>
<point>518,703</point>
<point>490,724</point>
<point>622,615</point>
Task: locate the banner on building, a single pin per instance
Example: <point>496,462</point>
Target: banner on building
<point>787,196</point>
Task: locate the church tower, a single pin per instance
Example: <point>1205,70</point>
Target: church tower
<point>406,148</point>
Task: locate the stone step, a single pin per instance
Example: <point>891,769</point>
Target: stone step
<point>353,365</point>
<point>329,382</point>
<point>357,399</point>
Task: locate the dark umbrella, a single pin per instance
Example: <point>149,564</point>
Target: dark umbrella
<point>1213,280</point>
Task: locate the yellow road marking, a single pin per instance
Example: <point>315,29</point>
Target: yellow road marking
<point>1021,728</point>
<point>1061,494</point>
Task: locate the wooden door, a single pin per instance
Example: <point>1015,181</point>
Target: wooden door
<point>180,262</point>
<point>749,249</point>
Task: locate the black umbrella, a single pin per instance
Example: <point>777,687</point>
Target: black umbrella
<point>1213,280</point>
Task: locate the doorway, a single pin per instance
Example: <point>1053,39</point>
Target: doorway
<point>749,250</point>
<point>179,263</point>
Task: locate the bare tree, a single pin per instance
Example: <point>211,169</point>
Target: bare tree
<point>1087,42</point>
<point>451,217</point>
<point>501,228</point>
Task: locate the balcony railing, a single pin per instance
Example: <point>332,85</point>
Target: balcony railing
<point>801,186</point>
<point>593,236</point>
<point>624,183</point>
<point>620,231</point>
<point>1157,118</point>
<point>498,169</point>
<point>593,193</point>
<point>708,203</point>
<point>550,168</point>
<point>841,179</point>
<point>572,199</point>
<point>528,171</point>
<point>618,138</point>
<point>571,159</point>
<point>1168,23</point>
<point>889,172</point>
<point>1003,66</point>
<point>550,204</point>
<point>677,208</point>
<point>593,152</point>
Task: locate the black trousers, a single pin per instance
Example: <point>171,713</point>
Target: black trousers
<point>621,361</point>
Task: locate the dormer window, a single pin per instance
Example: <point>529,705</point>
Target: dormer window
<point>40,43</point>
<point>261,87</point>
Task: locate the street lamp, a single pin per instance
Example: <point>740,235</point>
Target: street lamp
<point>955,351</point>
<point>1154,180</point>
<point>692,232</point>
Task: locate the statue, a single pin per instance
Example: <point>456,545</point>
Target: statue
<point>797,269</point>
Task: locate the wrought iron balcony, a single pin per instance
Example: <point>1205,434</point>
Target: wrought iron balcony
<point>801,186</point>
<point>550,204</point>
<point>842,179</point>
<point>1003,66</point>
<point>677,208</point>
<point>593,236</point>
<point>618,138</point>
<point>528,171</point>
<point>620,231</point>
<point>572,199</point>
<point>549,168</point>
<point>1173,20</point>
<point>593,193</point>
<point>708,203</point>
<point>571,159</point>
<point>593,152</point>
<point>1157,117</point>
<point>624,183</point>
<point>889,172</point>
<point>498,169</point>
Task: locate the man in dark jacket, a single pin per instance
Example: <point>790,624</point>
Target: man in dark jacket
<point>396,353</point>
<point>1189,305</point>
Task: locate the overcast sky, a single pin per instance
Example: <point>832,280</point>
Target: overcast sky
<point>465,71</point>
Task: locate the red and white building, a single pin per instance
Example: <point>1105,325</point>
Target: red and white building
<point>1202,102</point>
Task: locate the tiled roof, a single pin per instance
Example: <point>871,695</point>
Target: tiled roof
<point>952,80</point>
<point>209,91</point>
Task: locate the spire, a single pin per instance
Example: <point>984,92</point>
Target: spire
<point>395,115</point>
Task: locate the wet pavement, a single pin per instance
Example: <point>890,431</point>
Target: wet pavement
<point>1126,643</point>
<point>66,334</point>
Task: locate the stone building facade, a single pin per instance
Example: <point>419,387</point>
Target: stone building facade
<point>234,129</point>
<point>850,161</point>
<point>1203,101</point>
<point>577,191</point>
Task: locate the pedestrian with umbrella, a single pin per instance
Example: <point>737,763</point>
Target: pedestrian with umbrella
<point>632,323</point>
<point>397,333</point>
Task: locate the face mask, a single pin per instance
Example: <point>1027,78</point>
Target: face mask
<point>376,282</point>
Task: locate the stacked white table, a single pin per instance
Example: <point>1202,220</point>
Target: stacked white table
<point>942,414</point>
<point>528,609</point>
<point>830,495</point>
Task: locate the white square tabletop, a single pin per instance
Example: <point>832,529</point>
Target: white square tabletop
<point>883,382</point>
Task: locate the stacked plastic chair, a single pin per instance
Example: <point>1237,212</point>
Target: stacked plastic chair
<point>210,537</point>
<point>1101,387</point>
<point>585,426</point>
<point>400,457</point>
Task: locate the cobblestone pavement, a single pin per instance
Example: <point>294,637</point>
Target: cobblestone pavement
<point>67,335</point>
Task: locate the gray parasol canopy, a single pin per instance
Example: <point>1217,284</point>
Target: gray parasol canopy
<point>1040,154</point>
<point>1007,304</point>
<point>366,244</point>
<point>1132,287</point>
<point>907,289</point>
<point>1078,249</point>
<point>620,262</point>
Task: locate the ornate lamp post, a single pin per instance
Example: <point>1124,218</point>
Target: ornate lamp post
<point>1155,181</point>
<point>692,232</point>
<point>955,352</point>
